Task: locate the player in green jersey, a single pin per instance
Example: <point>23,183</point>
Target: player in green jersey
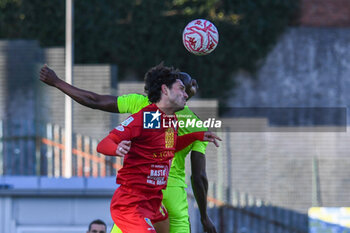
<point>175,195</point>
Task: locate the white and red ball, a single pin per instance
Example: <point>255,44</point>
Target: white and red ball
<point>200,37</point>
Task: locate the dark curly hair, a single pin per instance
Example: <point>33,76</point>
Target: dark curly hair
<point>156,77</point>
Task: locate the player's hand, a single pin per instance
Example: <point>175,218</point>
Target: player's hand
<point>211,137</point>
<point>48,76</point>
<point>208,225</point>
<point>123,148</point>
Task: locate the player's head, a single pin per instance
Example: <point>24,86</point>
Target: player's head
<point>164,83</point>
<point>190,84</point>
<point>97,226</point>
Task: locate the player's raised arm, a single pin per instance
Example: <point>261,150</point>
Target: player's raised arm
<point>113,147</point>
<point>211,137</point>
<point>89,99</point>
<point>185,140</point>
<point>118,141</point>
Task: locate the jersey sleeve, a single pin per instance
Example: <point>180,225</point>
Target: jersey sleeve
<point>127,130</point>
<point>131,103</point>
<point>108,145</point>
<point>185,140</point>
<point>130,128</point>
<point>199,146</point>
<point>188,115</point>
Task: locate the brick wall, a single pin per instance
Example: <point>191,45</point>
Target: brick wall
<point>325,13</point>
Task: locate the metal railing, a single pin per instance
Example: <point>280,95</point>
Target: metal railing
<point>246,214</point>
<point>42,153</point>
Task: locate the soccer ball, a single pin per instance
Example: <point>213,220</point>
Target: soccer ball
<point>200,37</point>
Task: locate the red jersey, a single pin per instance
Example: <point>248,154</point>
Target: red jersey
<point>154,140</point>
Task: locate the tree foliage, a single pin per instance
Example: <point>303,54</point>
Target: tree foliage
<point>138,34</point>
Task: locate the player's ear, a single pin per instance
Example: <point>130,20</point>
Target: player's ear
<point>165,89</point>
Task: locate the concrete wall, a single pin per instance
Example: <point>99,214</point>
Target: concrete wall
<point>26,104</point>
<point>19,100</point>
<point>278,166</point>
<point>308,67</point>
<point>18,67</point>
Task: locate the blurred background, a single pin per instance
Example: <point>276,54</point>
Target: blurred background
<point>286,62</point>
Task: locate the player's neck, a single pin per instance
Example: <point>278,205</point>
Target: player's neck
<point>165,108</point>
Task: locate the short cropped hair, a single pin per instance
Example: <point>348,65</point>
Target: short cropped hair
<point>156,77</point>
<point>97,221</point>
<point>185,78</point>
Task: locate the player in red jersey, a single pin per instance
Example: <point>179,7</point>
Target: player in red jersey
<point>175,195</point>
<point>148,141</point>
